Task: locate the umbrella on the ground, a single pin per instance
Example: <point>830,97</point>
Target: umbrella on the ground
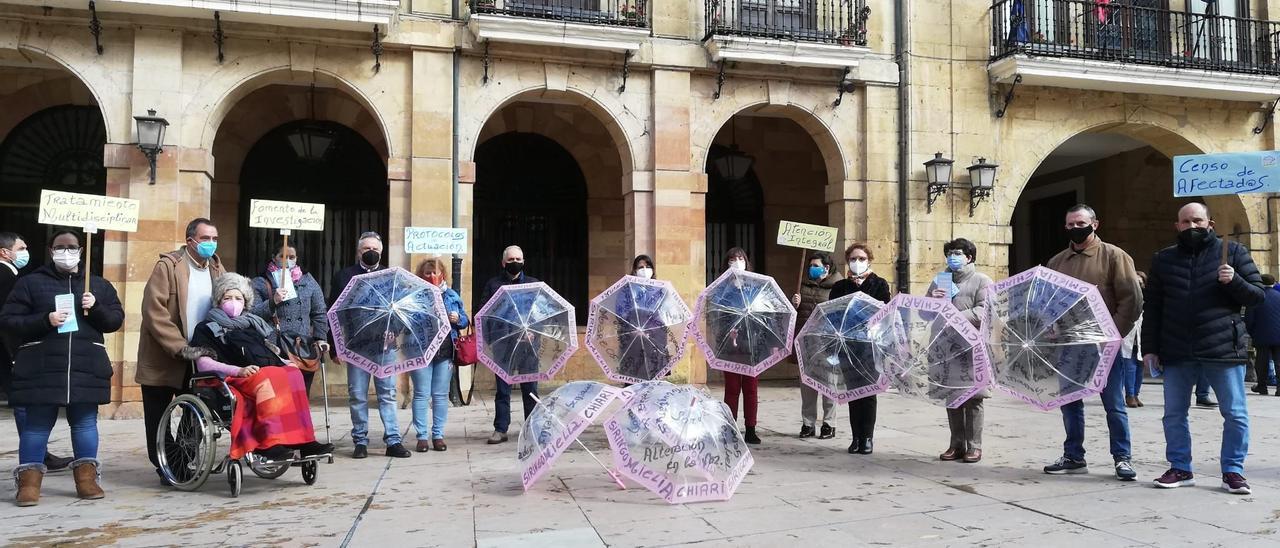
<point>526,333</point>
<point>835,350</point>
<point>556,422</point>
<point>1051,336</point>
<point>745,323</point>
<point>388,321</point>
<point>930,350</point>
<point>636,329</point>
<point>678,442</point>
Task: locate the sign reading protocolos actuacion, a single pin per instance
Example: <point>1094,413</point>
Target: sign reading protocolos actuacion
<point>435,240</point>
<point>815,237</point>
<point>286,215</point>
<point>1226,173</point>
<point>88,210</point>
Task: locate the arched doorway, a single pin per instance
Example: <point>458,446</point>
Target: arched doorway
<point>735,209</point>
<point>531,192</point>
<point>57,148</point>
<point>318,162</point>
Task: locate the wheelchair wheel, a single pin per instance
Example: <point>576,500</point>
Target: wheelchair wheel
<point>186,443</point>
<point>266,470</point>
<point>309,470</point>
<point>235,477</point>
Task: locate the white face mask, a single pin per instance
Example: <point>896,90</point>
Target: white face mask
<point>644,272</point>
<point>859,267</point>
<point>738,264</point>
<point>67,260</point>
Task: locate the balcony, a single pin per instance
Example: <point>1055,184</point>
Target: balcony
<point>357,15</point>
<point>1134,46</point>
<point>609,25</point>
<point>811,33</point>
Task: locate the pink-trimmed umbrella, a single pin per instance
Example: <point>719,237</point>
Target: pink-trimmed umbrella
<point>637,329</point>
<point>526,333</point>
<point>745,323</point>
<point>388,322</point>
<point>556,422</point>
<point>835,350</point>
<point>930,350</point>
<point>678,442</point>
<point>1051,336</point>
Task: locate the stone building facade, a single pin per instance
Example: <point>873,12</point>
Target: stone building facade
<point>590,131</point>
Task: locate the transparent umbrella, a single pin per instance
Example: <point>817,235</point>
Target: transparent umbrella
<point>636,329</point>
<point>835,350</point>
<point>930,350</point>
<point>556,422</point>
<point>745,323</point>
<point>526,333</point>
<point>388,321</point>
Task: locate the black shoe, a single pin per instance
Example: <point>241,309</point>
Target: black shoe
<point>855,446</point>
<point>751,436</point>
<point>398,451</point>
<point>1260,389</point>
<point>313,448</point>
<point>1066,465</point>
<point>361,452</point>
<point>163,480</point>
<point>866,447</point>
<point>54,463</point>
<point>275,453</point>
<point>806,432</point>
<point>1206,402</point>
<point>827,432</point>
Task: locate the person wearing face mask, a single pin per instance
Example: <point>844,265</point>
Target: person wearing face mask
<point>1191,327</point>
<point>968,292</point>
<point>301,315</point>
<point>815,290</point>
<point>512,273</point>
<point>1110,269</point>
<point>272,415</point>
<point>431,383</point>
<point>642,360</point>
<point>862,411</point>
<point>175,299</point>
<point>642,267</point>
<point>368,259</point>
<point>60,364</point>
<point>736,383</point>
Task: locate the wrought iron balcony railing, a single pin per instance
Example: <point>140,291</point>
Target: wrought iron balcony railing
<point>1135,31</point>
<point>619,13</point>
<point>841,22</point>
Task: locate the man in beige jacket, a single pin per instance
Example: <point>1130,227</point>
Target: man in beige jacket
<point>176,298</point>
<point>1111,270</point>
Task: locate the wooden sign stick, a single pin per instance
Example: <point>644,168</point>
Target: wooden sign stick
<point>804,265</point>
<point>1226,250</point>
<point>89,230</point>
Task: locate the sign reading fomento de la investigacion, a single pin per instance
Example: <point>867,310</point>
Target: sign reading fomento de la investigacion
<point>1226,173</point>
<point>286,215</point>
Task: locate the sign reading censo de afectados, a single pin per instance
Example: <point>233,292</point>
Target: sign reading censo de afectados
<point>1226,173</point>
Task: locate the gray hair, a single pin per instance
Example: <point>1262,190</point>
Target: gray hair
<point>509,248</point>
<point>1093,215</point>
<point>365,236</point>
<point>229,281</point>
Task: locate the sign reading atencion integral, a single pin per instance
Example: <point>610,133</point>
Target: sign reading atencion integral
<point>88,210</point>
<point>815,237</point>
<point>1226,173</point>
<point>440,241</point>
<point>286,215</point>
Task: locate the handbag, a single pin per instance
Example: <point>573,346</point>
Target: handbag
<point>298,349</point>
<point>464,350</point>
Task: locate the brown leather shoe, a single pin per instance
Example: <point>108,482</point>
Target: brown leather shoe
<point>1139,402</point>
<point>438,444</point>
<point>86,475</point>
<point>1130,401</point>
<point>29,487</point>
<point>423,446</point>
<point>972,455</point>
<point>950,454</point>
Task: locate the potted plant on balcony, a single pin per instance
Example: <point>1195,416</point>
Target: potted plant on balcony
<point>633,13</point>
<point>848,37</point>
<point>483,5</point>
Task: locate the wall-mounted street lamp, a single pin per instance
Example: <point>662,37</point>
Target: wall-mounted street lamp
<point>939,172</point>
<point>151,137</point>
<point>982,179</point>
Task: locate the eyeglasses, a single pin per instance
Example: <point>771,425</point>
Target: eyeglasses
<point>955,253</point>
<point>65,249</point>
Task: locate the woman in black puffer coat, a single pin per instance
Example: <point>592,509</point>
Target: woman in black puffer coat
<point>55,370</point>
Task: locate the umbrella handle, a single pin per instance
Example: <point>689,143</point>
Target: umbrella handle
<point>613,474</point>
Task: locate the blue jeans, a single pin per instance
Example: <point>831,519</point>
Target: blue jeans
<point>1228,384</point>
<point>502,403</point>
<point>358,391</point>
<point>1132,376</point>
<point>1202,386</point>
<point>431,389</point>
<point>34,439</point>
<point>1117,418</point>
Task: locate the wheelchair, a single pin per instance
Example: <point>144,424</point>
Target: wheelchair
<point>194,424</point>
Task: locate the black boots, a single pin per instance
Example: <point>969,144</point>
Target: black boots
<point>751,436</point>
<point>861,446</point>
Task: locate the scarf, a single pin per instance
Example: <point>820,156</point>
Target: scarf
<point>244,321</point>
<point>295,272</point>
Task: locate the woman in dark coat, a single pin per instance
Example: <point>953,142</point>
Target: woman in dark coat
<point>295,300</point>
<point>862,412</point>
<point>61,362</point>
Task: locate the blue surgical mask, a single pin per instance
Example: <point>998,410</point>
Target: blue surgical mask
<point>21,258</point>
<point>206,249</point>
<point>816,272</point>
<point>956,262</point>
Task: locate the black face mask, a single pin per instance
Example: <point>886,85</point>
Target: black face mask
<point>1078,235</point>
<point>513,269</point>
<point>370,258</point>
<point>1195,237</point>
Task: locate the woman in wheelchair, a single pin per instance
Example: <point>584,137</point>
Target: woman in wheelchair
<point>272,415</point>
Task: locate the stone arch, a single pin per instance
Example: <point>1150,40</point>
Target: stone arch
<point>65,89</point>
<point>93,83</point>
<point>839,166</point>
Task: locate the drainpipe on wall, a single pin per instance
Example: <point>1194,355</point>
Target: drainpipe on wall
<point>904,133</point>
<point>456,283</point>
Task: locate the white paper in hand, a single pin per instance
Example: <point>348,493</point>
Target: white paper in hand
<point>285,281</point>
<point>66,302</point>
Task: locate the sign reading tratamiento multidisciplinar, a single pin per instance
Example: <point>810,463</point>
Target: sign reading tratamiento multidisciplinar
<point>88,210</point>
<point>286,215</point>
<point>1226,173</point>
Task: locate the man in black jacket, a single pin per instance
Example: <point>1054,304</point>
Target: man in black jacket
<point>513,273</point>
<point>1192,326</point>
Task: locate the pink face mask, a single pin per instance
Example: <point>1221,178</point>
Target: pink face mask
<point>233,308</point>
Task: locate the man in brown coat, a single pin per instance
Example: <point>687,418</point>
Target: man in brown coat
<point>176,299</point>
<point>1108,267</point>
